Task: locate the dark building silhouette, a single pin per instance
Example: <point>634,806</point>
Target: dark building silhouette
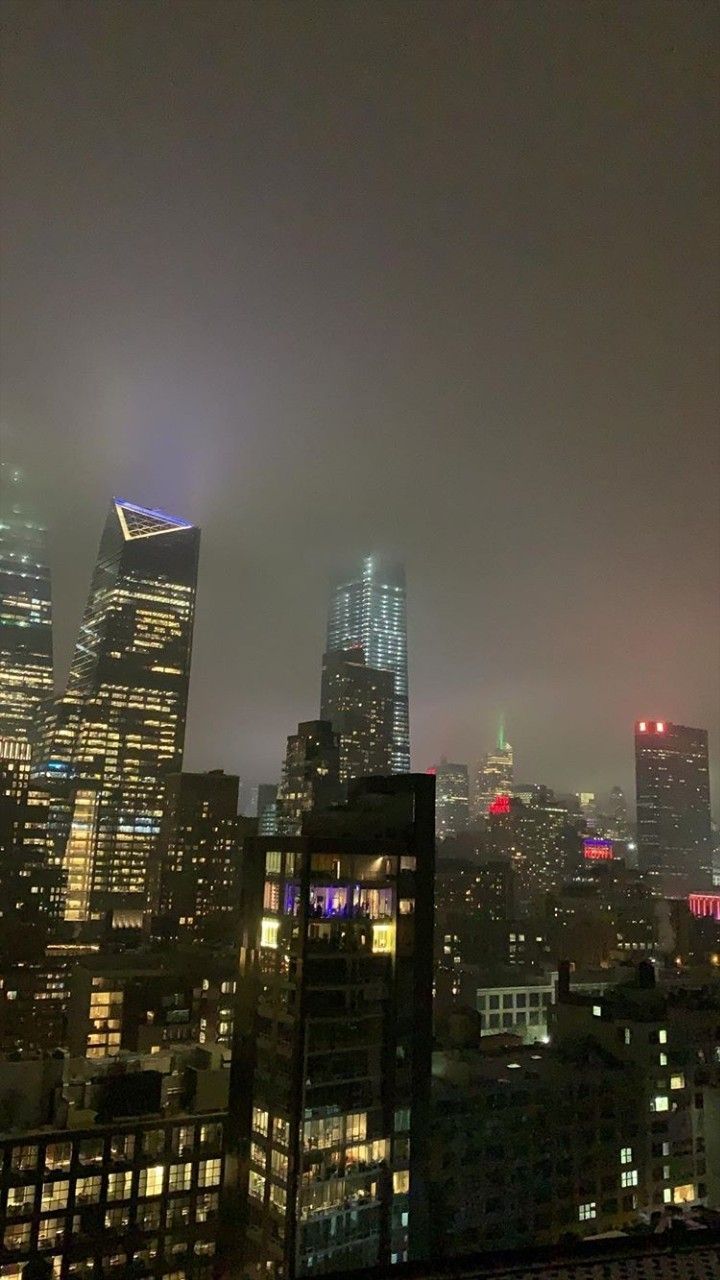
<point>368,608</point>
<point>119,732</point>
<point>334,1034</point>
<point>358,701</point>
<point>199,854</point>
<point>673,805</point>
<point>311,774</point>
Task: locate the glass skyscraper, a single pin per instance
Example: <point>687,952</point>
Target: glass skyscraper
<point>369,609</point>
<point>673,805</point>
<point>26,654</point>
<point>123,718</point>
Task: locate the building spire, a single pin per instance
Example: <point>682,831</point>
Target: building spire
<point>501,732</point>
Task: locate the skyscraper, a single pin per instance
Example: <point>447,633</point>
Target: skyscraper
<point>451,799</point>
<point>673,805</point>
<point>127,699</point>
<point>494,776</point>
<point>26,655</point>
<point>369,609</point>
<point>332,1057</point>
<point>358,701</point>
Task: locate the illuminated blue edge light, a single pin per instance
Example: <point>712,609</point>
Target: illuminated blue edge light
<point>152,511</point>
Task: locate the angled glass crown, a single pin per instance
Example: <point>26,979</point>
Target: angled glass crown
<point>145,522</point>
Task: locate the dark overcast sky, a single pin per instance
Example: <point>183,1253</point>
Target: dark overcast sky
<point>436,278</point>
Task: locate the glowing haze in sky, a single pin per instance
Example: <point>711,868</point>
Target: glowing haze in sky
<point>432,279</point>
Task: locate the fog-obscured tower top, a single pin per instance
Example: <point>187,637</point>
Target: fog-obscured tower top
<point>26,651</point>
<point>369,608</point>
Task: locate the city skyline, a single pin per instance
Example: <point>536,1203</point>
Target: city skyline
<point>324,320</point>
<point>562,780</point>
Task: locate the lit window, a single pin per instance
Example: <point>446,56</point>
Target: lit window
<point>402,1120</point>
<point>677,1082</point>
<point>684,1194</point>
<point>256,1185</point>
<point>260,1121</point>
<point>54,1195</point>
<point>597,1011</point>
<point>383,938</point>
<point>587,1211</point>
<point>662,1036</point>
<point>273,862</point>
<point>625,1155</point>
<point>269,930</point>
<point>663,1059</point>
<point>180,1177</point>
<point>401,1181</point>
<point>629,1178</point>
<point>119,1185</point>
<point>628,1035</point>
<point>209,1173</point>
<point>151,1181</point>
<point>660,1103</point>
<point>667,1195</point>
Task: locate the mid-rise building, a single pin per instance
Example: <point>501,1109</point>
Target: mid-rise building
<point>122,724</point>
<point>310,776</point>
<point>120,1173</point>
<point>368,609</point>
<point>673,806</point>
<point>494,776</point>
<point>542,840</point>
<point>358,700</point>
<point>452,814</point>
<point>667,1038</point>
<point>334,1037</point>
<point>26,650</point>
<point>531,1145</point>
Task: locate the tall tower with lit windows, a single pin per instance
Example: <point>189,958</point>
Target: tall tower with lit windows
<point>123,716</point>
<point>26,653</point>
<point>330,1092</point>
<point>673,806</point>
<point>369,609</point>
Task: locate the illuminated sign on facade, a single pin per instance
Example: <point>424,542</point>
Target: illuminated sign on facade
<point>501,804</point>
<point>705,904</point>
<point>597,850</point>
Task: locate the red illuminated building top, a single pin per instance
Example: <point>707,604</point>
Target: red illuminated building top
<point>651,726</point>
<point>597,850</point>
<point>705,904</point>
<point>501,804</point>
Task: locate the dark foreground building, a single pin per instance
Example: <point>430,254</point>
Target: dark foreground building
<point>331,1067</point>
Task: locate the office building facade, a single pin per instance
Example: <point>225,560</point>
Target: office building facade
<point>452,814</point>
<point>123,718</point>
<point>333,1040</point>
<point>673,806</point>
<point>369,609</point>
<point>26,651</point>
<point>199,853</point>
<point>358,701</point>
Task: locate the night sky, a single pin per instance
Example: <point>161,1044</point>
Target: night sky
<point>437,279</point>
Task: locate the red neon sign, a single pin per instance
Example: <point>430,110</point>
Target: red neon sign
<point>705,904</point>
<point>501,804</point>
<point>597,850</point>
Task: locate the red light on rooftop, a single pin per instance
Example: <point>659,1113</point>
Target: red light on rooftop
<point>659,727</point>
<point>432,771</point>
<point>642,726</point>
<point>501,804</point>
